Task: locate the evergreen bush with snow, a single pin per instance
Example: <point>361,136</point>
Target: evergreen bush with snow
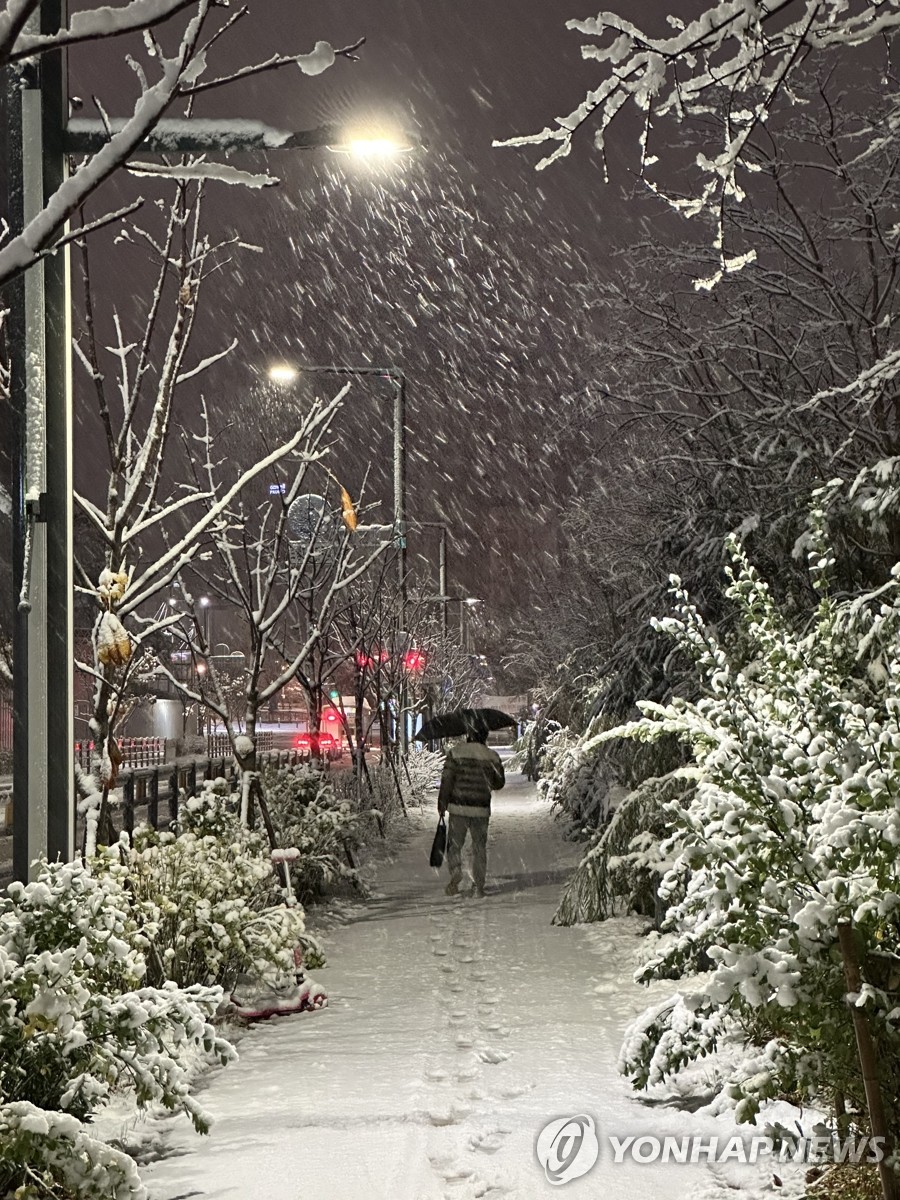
<point>624,865</point>
<point>793,828</point>
<point>77,1022</point>
<point>421,775</point>
<point>576,776</point>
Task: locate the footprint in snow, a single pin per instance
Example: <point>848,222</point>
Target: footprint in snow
<point>448,1116</point>
<point>478,975</point>
<point>466,1074</point>
<point>450,1169</point>
<point>516,1090</point>
<point>440,951</point>
<point>448,968</point>
<point>464,1042</point>
<point>475,1188</point>
<point>436,1074</point>
<point>489,1055</point>
<point>489,1141</point>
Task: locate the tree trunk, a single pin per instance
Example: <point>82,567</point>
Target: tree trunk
<point>868,1061</point>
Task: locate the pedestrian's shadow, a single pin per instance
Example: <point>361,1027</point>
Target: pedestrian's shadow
<point>524,881</point>
<point>425,896</point>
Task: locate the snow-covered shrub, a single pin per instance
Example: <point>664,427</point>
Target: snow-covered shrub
<point>209,899</point>
<point>622,869</point>
<point>325,827</point>
<point>381,795</point>
<point>528,748</point>
<point>794,828</point>
<point>420,775</point>
<point>52,1154</point>
<point>76,1023</point>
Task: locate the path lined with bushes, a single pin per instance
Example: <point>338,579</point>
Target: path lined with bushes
<point>457,1029</point>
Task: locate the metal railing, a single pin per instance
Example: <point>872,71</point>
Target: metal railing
<point>147,787</point>
<point>218,745</point>
<point>136,752</point>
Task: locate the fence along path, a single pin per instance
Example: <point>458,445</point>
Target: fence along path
<point>144,786</point>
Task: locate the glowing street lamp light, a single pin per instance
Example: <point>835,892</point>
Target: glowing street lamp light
<point>282,373</point>
<point>373,148</point>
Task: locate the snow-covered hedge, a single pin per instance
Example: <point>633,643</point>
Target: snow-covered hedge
<point>209,900</point>
<point>76,1022</point>
<point>420,775</point>
<point>45,1151</point>
<point>793,829</point>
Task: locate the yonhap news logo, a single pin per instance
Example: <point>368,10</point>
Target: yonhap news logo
<point>567,1148</point>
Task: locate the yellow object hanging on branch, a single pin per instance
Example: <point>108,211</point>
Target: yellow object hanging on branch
<point>112,640</point>
<point>348,510</point>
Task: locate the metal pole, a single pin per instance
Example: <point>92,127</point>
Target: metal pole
<point>442,583</point>
<point>40,389</point>
<point>15,87</point>
<point>58,451</point>
<point>399,379</point>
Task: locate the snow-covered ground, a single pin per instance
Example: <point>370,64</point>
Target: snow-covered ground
<point>457,1029</point>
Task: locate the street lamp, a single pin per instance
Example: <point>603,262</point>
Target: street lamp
<point>87,135</point>
<point>284,373</point>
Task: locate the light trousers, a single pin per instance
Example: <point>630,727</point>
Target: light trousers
<point>457,830</point>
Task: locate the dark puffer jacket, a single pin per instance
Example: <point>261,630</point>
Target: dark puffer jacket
<point>471,772</point>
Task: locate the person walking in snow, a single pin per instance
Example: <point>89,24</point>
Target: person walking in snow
<point>471,772</point>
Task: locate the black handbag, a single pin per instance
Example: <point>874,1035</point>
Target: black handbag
<point>439,845</point>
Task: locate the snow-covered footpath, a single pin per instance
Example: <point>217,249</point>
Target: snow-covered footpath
<point>457,1029</point>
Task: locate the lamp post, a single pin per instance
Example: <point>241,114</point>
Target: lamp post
<point>468,607</point>
<point>39,141</point>
<point>442,597</point>
<point>285,374</point>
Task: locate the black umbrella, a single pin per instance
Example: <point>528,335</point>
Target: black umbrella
<point>463,721</point>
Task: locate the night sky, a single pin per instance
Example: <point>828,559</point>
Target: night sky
<point>460,264</point>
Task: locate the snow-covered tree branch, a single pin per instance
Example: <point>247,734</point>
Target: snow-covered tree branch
<point>735,59</point>
<point>164,80</point>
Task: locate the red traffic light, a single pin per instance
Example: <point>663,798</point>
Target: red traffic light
<point>414,661</point>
